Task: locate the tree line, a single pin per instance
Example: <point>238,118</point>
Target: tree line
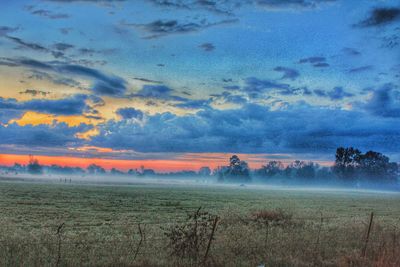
<point>351,166</point>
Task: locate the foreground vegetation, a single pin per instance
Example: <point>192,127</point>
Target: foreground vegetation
<point>148,225</point>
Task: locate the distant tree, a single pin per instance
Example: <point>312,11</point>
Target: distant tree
<point>17,168</point>
<point>376,166</point>
<point>347,162</point>
<point>301,169</point>
<point>148,172</point>
<point>238,170</point>
<point>133,172</point>
<point>220,172</point>
<point>325,173</point>
<point>115,171</point>
<point>34,167</point>
<point>95,169</point>
<point>307,170</point>
<point>350,163</point>
<point>57,169</point>
<point>272,168</point>
<point>204,171</point>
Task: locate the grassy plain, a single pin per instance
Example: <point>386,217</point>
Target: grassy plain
<point>57,224</point>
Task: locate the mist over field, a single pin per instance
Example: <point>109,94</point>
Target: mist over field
<point>199,133</point>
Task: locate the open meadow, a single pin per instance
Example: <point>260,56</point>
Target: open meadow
<point>83,224</point>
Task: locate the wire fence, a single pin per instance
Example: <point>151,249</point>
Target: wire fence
<point>149,237</point>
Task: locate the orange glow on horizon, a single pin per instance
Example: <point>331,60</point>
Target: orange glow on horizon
<point>190,161</point>
<point>159,165</point>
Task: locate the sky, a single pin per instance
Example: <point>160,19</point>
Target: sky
<point>180,84</point>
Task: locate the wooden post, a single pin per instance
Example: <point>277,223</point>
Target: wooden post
<point>318,240</point>
<point>364,251</point>
<point>210,240</point>
<point>59,232</point>
<point>140,242</point>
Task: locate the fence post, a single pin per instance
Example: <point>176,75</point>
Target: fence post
<point>211,238</point>
<point>364,251</point>
<point>140,242</point>
<point>58,233</point>
<point>318,240</point>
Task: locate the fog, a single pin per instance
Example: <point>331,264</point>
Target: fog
<point>201,182</point>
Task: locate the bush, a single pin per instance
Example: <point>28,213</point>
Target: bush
<point>189,240</point>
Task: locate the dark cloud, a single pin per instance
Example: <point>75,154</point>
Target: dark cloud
<point>86,1</point>
<point>224,7</point>
<point>351,51</point>
<point>34,92</point>
<point>361,69</point>
<point>63,46</point>
<point>288,73</point>
<point>321,65</point>
<point>51,136</point>
<point>96,101</point>
<point>208,47</point>
<point>253,129</point>
<point>130,113</point>
<point>337,93</point>
<point>232,87</point>
<point>228,97</point>
<point>5,30</point>
<point>146,80</point>
<point>292,4</point>
<point>385,102</point>
<point>103,84</point>
<point>312,60</point>
<point>228,7</point>
<point>257,88</point>
<point>24,44</point>
<point>49,14</point>
<point>381,16</point>
<point>194,104</point>
<point>160,92</point>
<point>255,85</point>
<point>317,61</point>
<point>74,105</point>
<point>54,78</point>
<point>161,28</point>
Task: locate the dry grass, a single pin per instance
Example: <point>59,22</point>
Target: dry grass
<point>101,227</point>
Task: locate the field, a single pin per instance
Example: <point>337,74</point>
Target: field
<point>62,224</point>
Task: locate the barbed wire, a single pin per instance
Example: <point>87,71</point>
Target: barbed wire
<point>183,221</point>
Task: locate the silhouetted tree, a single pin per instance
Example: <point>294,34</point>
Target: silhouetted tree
<point>301,169</point>
<point>376,166</point>
<point>272,168</point>
<point>372,166</point>
<point>34,167</point>
<point>115,171</point>
<point>133,172</point>
<point>95,169</point>
<point>238,170</point>
<point>204,171</point>
<point>347,161</point>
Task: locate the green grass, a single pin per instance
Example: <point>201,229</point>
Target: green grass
<point>101,225</point>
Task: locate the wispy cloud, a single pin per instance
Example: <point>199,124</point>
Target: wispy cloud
<point>103,84</point>
<point>160,28</point>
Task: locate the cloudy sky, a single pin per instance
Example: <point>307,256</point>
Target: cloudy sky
<point>177,84</point>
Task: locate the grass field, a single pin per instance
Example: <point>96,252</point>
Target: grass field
<point>56,224</point>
